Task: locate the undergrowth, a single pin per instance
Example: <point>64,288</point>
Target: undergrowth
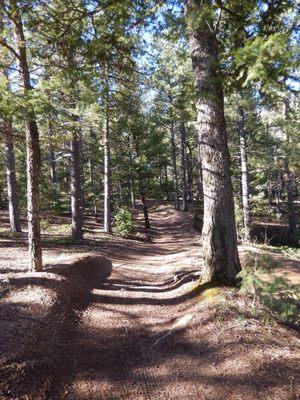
<point>124,223</point>
<point>276,293</point>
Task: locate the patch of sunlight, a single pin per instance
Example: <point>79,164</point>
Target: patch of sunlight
<point>212,295</point>
<point>88,388</point>
<point>32,295</point>
<point>55,229</point>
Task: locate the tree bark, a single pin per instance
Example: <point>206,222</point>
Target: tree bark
<point>183,165</point>
<point>81,171</point>
<point>190,175</point>
<point>219,229</point>
<point>33,152</point>
<point>289,182</point>
<point>107,176</point>
<point>132,196</point>
<point>174,167</point>
<point>12,189</point>
<point>75,188</point>
<point>53,175</point>
<point>245,177</point>
<point>142,187</point>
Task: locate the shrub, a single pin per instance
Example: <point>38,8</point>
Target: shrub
<point>275,293</point>
<point>124,222</point>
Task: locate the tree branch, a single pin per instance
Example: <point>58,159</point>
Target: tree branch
<point>11,49</point>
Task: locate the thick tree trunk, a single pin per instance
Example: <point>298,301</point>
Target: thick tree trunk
<point>183,165</point>
<point>219,229</point>
<point>107,180</point>
<point>33,196</point>
<point>75,188</point>
<point>245,178</point>
<point>12,189</point>
<point>174,167</point>
<point>33,153</point>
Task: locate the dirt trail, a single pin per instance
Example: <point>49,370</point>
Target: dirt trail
<point>127,327</point>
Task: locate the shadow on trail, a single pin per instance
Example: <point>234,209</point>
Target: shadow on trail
<point>48,359</point>
<point>169,285</point>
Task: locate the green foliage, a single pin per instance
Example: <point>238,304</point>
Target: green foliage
<point>276,293</point>
<point>124,222</point>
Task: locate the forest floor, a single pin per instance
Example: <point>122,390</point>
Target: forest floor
<point>111,318</point>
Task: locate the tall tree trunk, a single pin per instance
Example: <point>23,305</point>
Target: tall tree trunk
<point>219,229</point>
<point>33,153</point>
<point>199,195</point>
<point>107,180</point>
<point>174,167</point>
<point>142,187</point>
<point>190,177</point>
<point>183,165</point>
<point>245,176</point>
<point>1,195</point>
<point>75,188</point>
<point>289,182</point>
<point>12,189</point>
<point>53,178</point>
<point>53,175</point>
<point>91,165</point>
<point>166,183</point>
<point>132,196</point>
<point>81,170</point>
<point>90,160</point>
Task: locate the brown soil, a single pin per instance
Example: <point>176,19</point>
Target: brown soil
<point>125,319</point>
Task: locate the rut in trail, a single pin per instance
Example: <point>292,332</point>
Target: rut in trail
<point>128,312</point>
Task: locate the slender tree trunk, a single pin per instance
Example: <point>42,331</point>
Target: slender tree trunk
<point>33,153</point>
<point>53,178</point>
<point>183,165</point>
<point>142,188</point>
<point>145,207</point>
<point>245,177</point>
<point>12,189</point>
<point>107,180</point>
<point>91,166</point>
<point>81,170</point>
<point>1,195</point>
<point>53,175</point>
<point>278,189</point>
<point>132,196</point>
<point>90,160</point>
<point>166,183</point>
<point>174,166</point>
<point>199,194</point>
<point>219,229</point>
<point>75,188</point>
<point>289,182</point>
<point>190,177</point>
